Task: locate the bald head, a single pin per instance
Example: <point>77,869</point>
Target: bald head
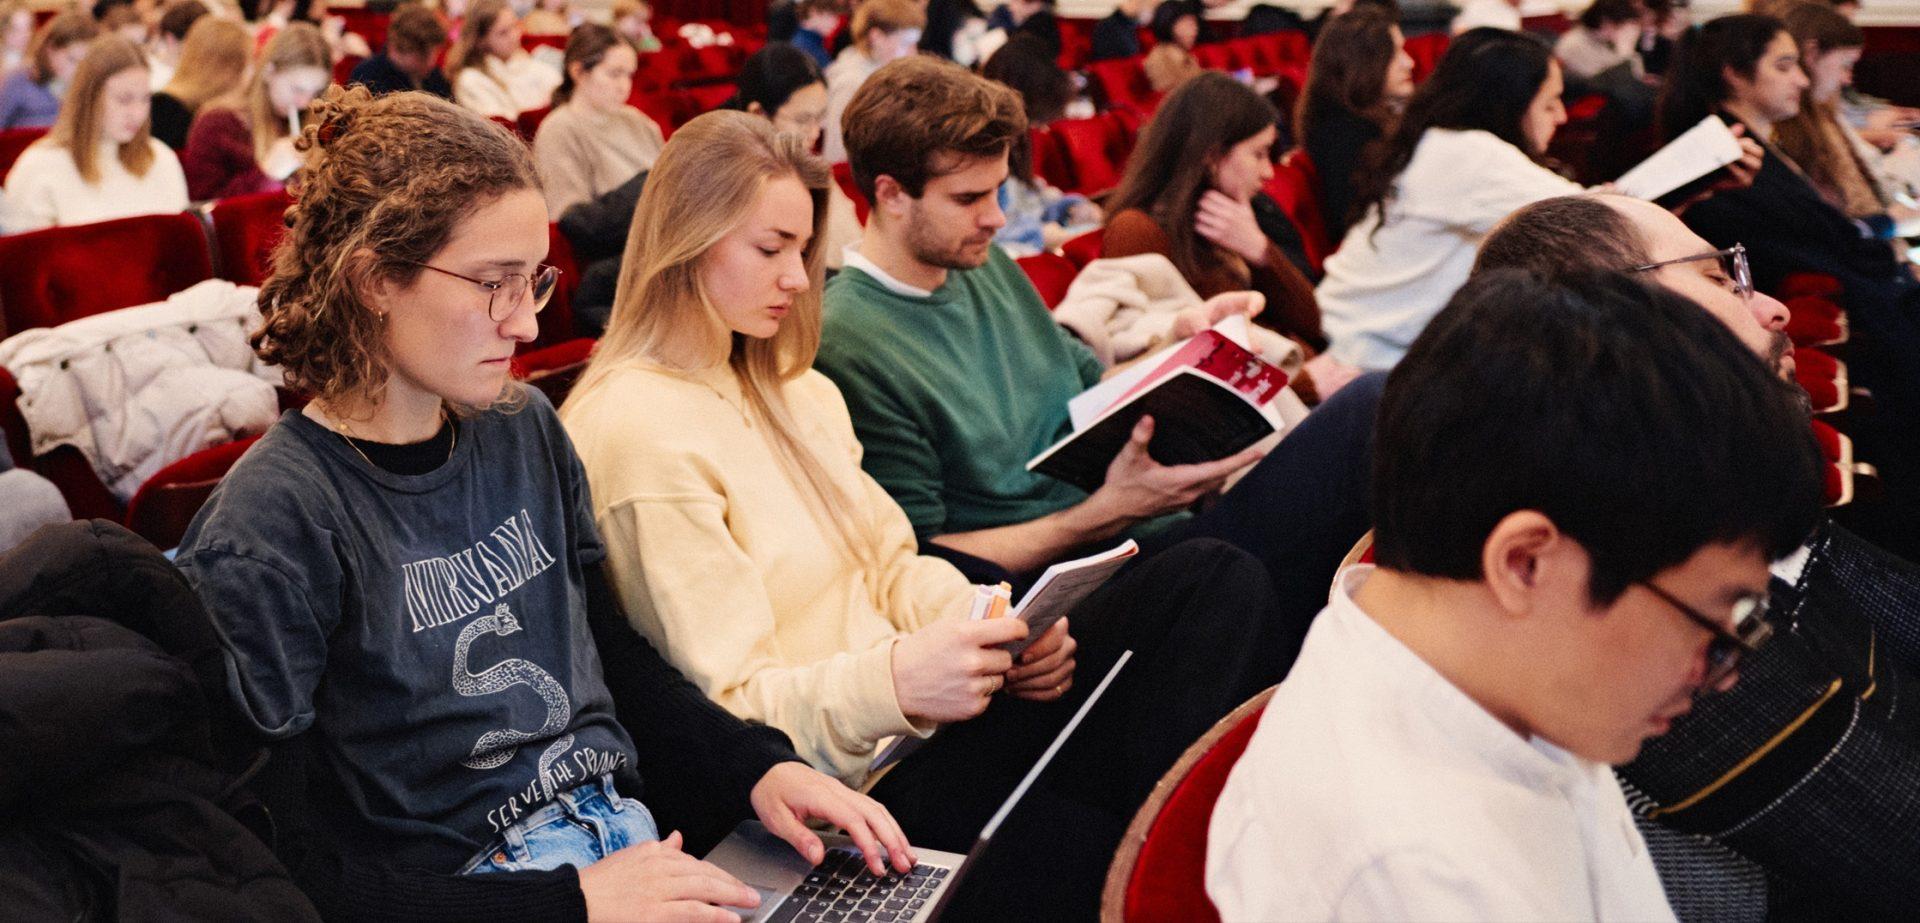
<point>1621,233</point>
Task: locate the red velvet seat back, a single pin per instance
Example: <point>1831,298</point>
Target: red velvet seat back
<point>245,231</point>
<point>366,23</point>
<point>555,368</point>
<point>1426,51</point>
<point>556,322</point>
<point>1089,145</point>
<point>843,175</point>
<point>528,123</point>
<point>1086,247</point>
<point>1168,884</point>
<point>168,501</point>
<point>13,142</point>
<point>60,274</point>
<point>1050,161</point>
<point>1124,81</point>
<point>1293,187</point>
<point>1051,274</point>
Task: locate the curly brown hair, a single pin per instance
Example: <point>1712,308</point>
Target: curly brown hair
<point>386,182</point>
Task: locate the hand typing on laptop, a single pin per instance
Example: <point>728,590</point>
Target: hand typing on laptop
<point>657,881</point>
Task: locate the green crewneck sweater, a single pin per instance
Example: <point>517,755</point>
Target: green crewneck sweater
<point>951,394</point>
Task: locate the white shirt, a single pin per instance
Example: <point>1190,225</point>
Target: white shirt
<point>857,260</point>
<point>1496,14</point>
<point>504,89</point>
<point>1374,789</point>
<point>45,188</point>
<point>1381,289</point>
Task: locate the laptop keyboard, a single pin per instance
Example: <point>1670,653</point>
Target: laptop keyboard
<point>841,889</point>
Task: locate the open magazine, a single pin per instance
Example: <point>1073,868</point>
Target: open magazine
<point>1209,397</point>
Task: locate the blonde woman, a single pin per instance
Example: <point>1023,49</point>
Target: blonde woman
<point>458,736</point>
<point>242,143</point>
<point>746,542</point>
<point>491,73</point>
<point>99,162</point>
<point>213,60</point>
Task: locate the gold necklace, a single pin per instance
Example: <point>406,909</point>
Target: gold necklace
<point>346,433</point>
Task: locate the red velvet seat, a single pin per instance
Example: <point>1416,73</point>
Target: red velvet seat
<point>163,507</point>
<point>1824,378</point>
<point>531,42</point>
<point>1050,161</point>
<point>1426,51</point>
<point>1816,321</point>
<point>1159,873</point>
<point>1085,247</point>
<point>708,97</point>
<point>555,368</point>
<point>55,275</point>
<point>343,68</point>
<point>245,231</point>
<point>1808,283</point>
<point>1295,188</point>
<point>14,142</point>
<point>364,22</point>
<point>843,175</point>
<point>1089,145</point>
<point>1051,274</point>
<point>1217,56</point>
<point>1124,81</point>
<point>1834,445</point>
<point>556,322</point>
<point>528,123</point>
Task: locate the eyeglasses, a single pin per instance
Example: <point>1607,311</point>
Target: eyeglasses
<point>1733,262</point>
<point>1750,630</point>
<point>506,294</point>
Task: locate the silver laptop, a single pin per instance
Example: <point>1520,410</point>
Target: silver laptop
<point>841,888</point>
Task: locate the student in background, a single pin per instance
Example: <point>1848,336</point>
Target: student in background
<point>216,57</point>
<point>407,769</point>
<point>30,96</point>
<point>16,34</point>
<point>1029,17</point>
<point>1833,156</point>
<point>491,73</point>
<point>1178,22</point>
<point>415,37</point>
<point>1188,194</point>
<point>954,29</point>
<point>1118,35</point>
<point>170,37</point>
<point>882,30</point>
<point>818,20</point>
<point>780,84</point>
<point>548,17</point>
<point>593,141</point>
<point>242,142</point>
<point>1469,149</point>
<point>747,544</point>
<point>634,20</point>
<point>99,162</point>
<point>1358,82</point>
<point>1445,740</point>
<point>1039,217</point>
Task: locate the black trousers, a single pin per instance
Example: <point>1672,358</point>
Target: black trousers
<point>1198,618</point>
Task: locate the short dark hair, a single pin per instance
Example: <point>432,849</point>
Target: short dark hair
<point>179,16</point>
<point>1618,410</point>
<point>915,115</point>
<point>414,29</point>
<point>772,75</point>
<point>1696,84</point>
<point>1563,233</point>
<point>1607,12</point>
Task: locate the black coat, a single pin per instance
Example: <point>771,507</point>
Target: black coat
<point>115,800</point>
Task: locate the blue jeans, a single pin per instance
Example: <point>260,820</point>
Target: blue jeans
<point>579,827</point>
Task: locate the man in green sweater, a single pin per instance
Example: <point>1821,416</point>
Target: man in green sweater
<point>955,374</point>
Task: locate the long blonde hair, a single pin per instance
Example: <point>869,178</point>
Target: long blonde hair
<point>707,180</point>
<point>300,44</point>
<point>213,60</point>
<point>78,127</point>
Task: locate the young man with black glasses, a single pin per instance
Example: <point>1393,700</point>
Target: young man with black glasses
<point>1564,566</point>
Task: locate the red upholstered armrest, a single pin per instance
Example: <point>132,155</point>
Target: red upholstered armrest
<point>1168,878</point>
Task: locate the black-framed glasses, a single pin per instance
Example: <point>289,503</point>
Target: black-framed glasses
<point>1750,630</point>
<point>1733,262</point>
<point>508,293</point>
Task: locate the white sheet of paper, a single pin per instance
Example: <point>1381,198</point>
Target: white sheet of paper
<point>1700,150</point>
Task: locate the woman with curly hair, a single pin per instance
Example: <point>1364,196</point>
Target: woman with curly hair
<point>407,579</point>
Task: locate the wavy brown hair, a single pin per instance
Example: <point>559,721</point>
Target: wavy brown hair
<point>387,181</point>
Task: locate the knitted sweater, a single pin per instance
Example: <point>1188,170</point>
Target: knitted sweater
<point>720,560</point>
<point>45,189</point>
<point>583,154</point>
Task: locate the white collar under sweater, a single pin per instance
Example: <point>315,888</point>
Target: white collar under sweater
<point>857,260</point>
